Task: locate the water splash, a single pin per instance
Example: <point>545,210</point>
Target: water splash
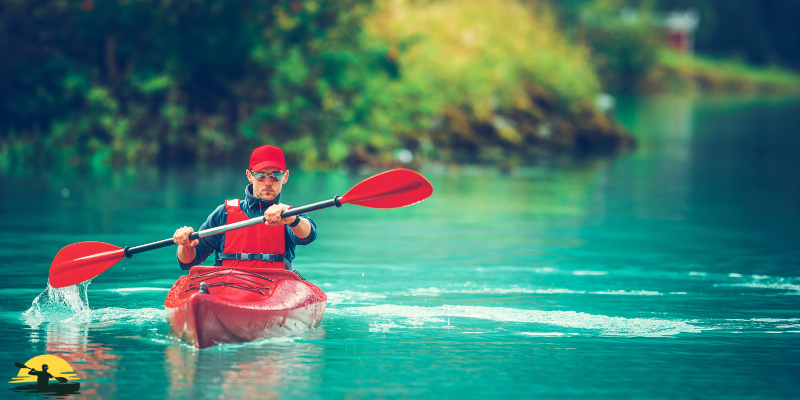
<point>64,309</point>
<point>57,304</point>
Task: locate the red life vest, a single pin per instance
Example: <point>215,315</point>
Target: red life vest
<point>255,239</point>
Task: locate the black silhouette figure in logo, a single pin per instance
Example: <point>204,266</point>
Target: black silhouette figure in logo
<point>63,386</point>
<point>42,377</point>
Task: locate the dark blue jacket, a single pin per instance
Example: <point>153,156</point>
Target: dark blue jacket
<point>252,207</point>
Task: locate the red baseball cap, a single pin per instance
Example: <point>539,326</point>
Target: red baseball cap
<point>267,156</point>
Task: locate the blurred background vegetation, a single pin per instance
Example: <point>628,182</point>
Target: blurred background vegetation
<point>104,84</point>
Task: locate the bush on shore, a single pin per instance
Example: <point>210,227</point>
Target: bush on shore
<point>498,81</point>
<point>104,84</point>
<point>112,83</point>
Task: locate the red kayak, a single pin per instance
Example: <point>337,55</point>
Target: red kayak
<point>231,305</point>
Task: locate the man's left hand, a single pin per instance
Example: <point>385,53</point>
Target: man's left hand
<point>273,215</point>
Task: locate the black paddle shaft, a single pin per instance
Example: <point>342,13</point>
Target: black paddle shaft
<point>130,251</point>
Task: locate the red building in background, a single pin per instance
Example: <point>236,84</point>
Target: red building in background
<point>681,26</point>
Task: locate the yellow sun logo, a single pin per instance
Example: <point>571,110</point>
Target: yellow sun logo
<point>56,367</point>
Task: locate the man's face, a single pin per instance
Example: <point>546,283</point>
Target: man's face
<point>267,189</point>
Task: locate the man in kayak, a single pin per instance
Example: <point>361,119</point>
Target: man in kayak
<point>42,377</point>
<point>271,244</point>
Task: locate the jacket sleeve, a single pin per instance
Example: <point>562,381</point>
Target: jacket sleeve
<point>308,239</point>
<point>208,244</point>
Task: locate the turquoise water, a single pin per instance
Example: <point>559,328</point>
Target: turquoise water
<point>671,272</point>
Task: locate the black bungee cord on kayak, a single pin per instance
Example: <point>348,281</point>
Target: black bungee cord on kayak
<point>240,286</point>
<point>232,272</point>
<point>238,273</point>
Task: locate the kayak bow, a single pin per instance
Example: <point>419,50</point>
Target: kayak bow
<point>215,305</point>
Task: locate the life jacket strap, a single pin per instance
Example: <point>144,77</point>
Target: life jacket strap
<point>255,257</point>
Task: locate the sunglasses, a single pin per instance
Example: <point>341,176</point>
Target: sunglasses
<point>275,176</point>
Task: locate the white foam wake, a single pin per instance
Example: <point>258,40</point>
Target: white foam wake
<point>605,325</point>
<point>353,297</point>
<point>766,325</point>
<point>115,315</point>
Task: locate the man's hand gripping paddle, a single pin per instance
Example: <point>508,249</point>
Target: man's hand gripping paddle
<point>80,262</point>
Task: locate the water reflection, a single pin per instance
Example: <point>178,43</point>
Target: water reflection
<point>655,182</point>
<point>269,368</point>
<point>95,363</point>
<point>63,319</point>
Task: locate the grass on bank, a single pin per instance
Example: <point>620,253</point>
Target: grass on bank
<point>717,74</point>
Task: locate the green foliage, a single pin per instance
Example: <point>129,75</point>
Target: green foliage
<point>105,84</point>
<point>624,40</point>
<point>476,51</point>
<point>492,82</point>
<point>110,83</point>
<point>760,32</point>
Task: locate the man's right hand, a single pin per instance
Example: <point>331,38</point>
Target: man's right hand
<point>181,237</point>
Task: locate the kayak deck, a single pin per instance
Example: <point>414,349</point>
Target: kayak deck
<point>242,305</point>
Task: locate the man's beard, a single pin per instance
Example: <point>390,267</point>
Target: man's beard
<point>267,196</point>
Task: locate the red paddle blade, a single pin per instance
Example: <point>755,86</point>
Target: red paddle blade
<point>390,189</point>
<point>80,262</point>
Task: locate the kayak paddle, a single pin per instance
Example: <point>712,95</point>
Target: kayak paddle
<point>58,378</point>
<point>82,261</point>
